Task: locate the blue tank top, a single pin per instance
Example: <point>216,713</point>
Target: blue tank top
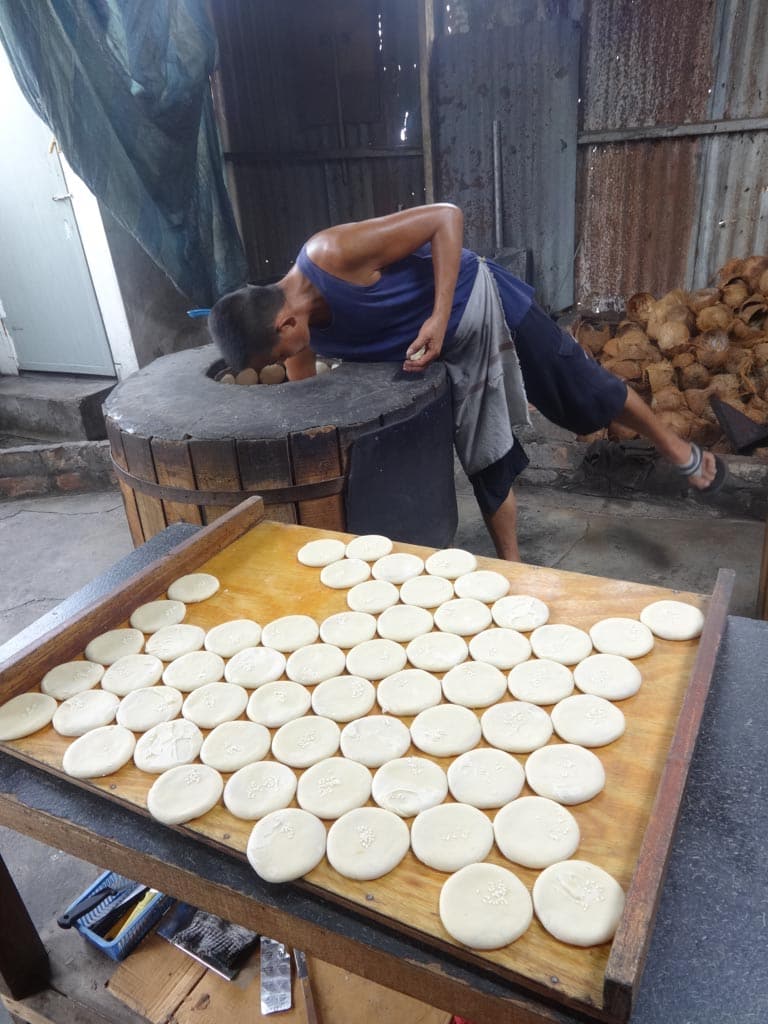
<point>376,323</point>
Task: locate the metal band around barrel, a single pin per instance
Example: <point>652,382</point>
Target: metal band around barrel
<point>270,495</point>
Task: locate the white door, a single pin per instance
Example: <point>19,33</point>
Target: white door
<point>45,286</point>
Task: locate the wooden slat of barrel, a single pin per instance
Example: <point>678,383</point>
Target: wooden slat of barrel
<point>267,463</point>
<point>315,456</point>
<point>173,467</point>
<point>138,457</point>
<point>216,469</point>
<point>129,496</point>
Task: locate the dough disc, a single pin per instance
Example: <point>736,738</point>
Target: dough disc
<point>375,659</point>
<point>474,684</point>
<point>99,752</point>
<point>520,612</point>
<point>445,730</point>
<point>370,547</point>
<point>346,629</point>
<point>258,789</point>
<point>482,585</point>
<point>516,726</point>
<point>578,902</point>
<point>319,553</point>
<point>193,588</point>
<point>286,844</point>
<point>404,623</point>
<point>24,714</point>
<point>562,643</point>
<point>373,596</point>
<point>228,638</point>
<point>437,652</point>
<point>346,573</point>
<point>274,704</point>
<point>156,614</point>
<point>673,620</point>
<point>541,681</point>
<point>464,616</point>
<point>215,703</point>
<point>315,663</point>
<point>503,648</point>
<point>397,568</point>
<point>140,710</point>
<point>485,778</point>
<point>305,741</point>
<point>132,672</point>
<point>374,740</point>
<point>193,670</point>
<point>173,642</point>
<point>254,667</point>
<point>85,711</point>
<point>625,637</point>
<point>450,563</point>
<point>232,745</point>
<point>587,720</point>
<point>426,591</point>
<point>607,675</point>
<point>167,745</point>
<point>367,843</point>
<point>289,633</point>
<point>408,692</point>
<point>332,787</point>
<point>70,678</point>
<point>484,906</point>
<point>450,836</point>
<point>409,785</point>
<point>536,832</point>
<point>184,793</point>
<point>566,773</point>
<point>116,643</point>
<point>343,698</point>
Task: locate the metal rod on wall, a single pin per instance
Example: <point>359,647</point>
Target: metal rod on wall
<point>498,201</point>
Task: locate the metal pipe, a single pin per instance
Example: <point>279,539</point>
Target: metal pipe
<point>498,201</point>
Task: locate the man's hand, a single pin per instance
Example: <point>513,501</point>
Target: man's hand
<point>427,346</point>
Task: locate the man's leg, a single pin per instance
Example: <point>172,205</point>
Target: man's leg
<point>502,526</point>
<point>496,500</point>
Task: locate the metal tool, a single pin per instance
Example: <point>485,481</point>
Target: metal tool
<point>303,976</point>
<point>275,977</point>
<point>117,885</point>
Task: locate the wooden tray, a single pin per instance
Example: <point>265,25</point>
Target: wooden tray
<point>627,829</point>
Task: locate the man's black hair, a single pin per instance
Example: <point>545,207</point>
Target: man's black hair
<point>242,323</point>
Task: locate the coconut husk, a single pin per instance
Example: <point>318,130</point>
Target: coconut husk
<point>610,350</point>
<point>676,297</point>
<point>679,420</point>
<point>639,307</point>
<point>703,298</point>
<point>694,376</point>
<point>753,269</point>
<point>674,338</point>
<point>735,292</point>
<point>704,432</point>
<point>637,347</point>
<point>762,284</point>
<point>714,318</point>
<point>669,399</point>
<point>712,349</point>
<point>680,314</point>
<point>697,400</point>
<point>733,268</point>
<point>756,409</point>
<point>726,386</point>
<point>754,311</point>
<point>654,326</point>
<point>661,375</point>
<point>742,332</point>
<point>760,354</point>
<point>683,359</point>
<point>616,432</point>
<point>740,361</point>
<point>592,337</point>
<point>627,369</point>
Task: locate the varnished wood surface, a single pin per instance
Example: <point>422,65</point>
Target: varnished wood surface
<point>261,579</point>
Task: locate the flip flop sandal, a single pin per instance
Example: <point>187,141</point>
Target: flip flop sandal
<point>692,467</point>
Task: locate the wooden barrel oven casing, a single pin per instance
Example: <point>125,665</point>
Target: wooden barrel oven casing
<point>186,447</point>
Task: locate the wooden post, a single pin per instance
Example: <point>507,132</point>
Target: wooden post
<point>23,959</point>
<point>426,39</point>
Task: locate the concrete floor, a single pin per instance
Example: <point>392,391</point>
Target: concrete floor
<point>52,546</point>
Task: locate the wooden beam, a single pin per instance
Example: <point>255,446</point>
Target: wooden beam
<point>426,41</point>
<point>316,156</point>
<point>672,131</point>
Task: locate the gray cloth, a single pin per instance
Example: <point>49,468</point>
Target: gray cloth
<point>486,380</point>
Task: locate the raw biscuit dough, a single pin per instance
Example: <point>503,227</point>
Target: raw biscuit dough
<point>397,568</point>
<point>376,659</point>
<point>25,714</point>
<point>375,740</point>
<point>332,787</point>
<point>607,675</point>
<point>520,612</point>
<point>450,563</point>
<point>166,745</point>
<point>503,648</point>
<point>184,793</point>
<point>319,553</point>
<point>625,637</point>
<point>99,752</point>
<point>409,785</point>
<point>116,643</point>
<point>369,547</point>
<point>132,672</point>
<point>565,772</point>
<point>562,643</point>
<point>345,574</point>
<point>255,666</point>
<point>70,678</point>
<point>89,710</point>
<point>437,652</point>
<point>259,789</point>
<point>214,704</point>
<point>172,642</point>
<point>426,591</point>
<point>232,745</point>
<point>140,710</point>
<point>516,726</point>
<point>482,584</point>
<point>367,843</point>
<point>536,832</point>
<point>450,836</point>
<point>404,623</point>
<point>673,620</point>
<point>286,844</point>
<point>445,730</point>
<point>464,616</point>
<point>578,902</point>
<point>541,681</point>
<point>305,741</point>
<point>485,778</point>
<point>228,638</point>
<point>484,906</point>
<point>408,692</point>
<point>193,588</point>
<point>155,614</point>
<point>587,720</point>
<point>289,633</point>
<point>315,663</point>
<point>474,684</point>
<point>343,698</point>
<point>346,629</point>
<point>193,670</point>
<point>274,704</point>
<point>373,596</point>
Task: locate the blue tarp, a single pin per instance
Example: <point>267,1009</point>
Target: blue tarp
<point>124,86</point>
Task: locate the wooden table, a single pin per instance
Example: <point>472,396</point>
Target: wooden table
<point>82,823</point>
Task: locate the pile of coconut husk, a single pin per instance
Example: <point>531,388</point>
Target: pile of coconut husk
<point>681,349</point>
